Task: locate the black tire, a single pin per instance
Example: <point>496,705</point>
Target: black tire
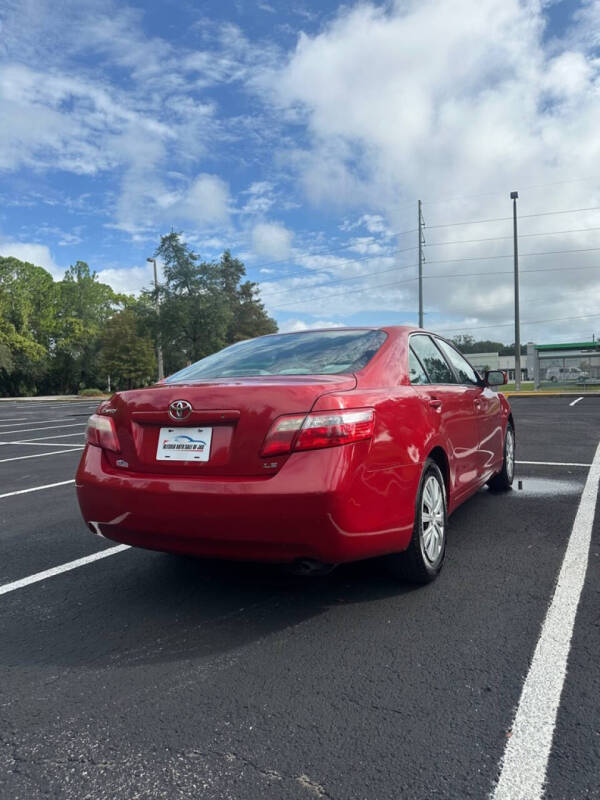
<point>502,482</point>
<point>414,564</point>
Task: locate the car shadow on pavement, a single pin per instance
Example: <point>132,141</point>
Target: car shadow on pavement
<point>153,608</point>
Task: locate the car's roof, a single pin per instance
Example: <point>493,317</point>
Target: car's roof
<point>385,328</point>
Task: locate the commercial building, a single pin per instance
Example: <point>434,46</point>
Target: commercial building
<point>483,361</point>
<point>569,363</point>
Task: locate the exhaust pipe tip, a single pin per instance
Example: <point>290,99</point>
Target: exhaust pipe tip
<point>311,567</point>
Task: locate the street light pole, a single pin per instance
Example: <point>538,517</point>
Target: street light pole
<point>159,355</point>
<point>420,233</point>
<point>514,196</point>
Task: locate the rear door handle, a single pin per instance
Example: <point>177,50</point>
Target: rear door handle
<point>435,403</point>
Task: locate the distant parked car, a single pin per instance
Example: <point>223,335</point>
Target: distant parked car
<point>566,375</point>
<point>309,448</point>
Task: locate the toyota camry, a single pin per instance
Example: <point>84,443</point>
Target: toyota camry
<point>310,449</point>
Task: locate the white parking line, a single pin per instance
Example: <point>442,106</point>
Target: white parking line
<point>53,436</point>
<point>574,403</point>
<point>50,573</point>
<point>37,488</point>
<point>47,428</point>
<point>41,407</point>
<point>64,404</point>
<point>76,405</point>
<point>525,760</point>
<point>47,444</point>
<point>72,449</point>
<point>554,463</point>
<point>36,421</point>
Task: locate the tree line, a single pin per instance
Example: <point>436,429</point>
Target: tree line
<point>66,336</point>
<point>468,344</point>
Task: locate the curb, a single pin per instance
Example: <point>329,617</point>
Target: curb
<point>541,393</point>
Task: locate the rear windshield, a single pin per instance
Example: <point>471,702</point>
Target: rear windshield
<point>310,353</point>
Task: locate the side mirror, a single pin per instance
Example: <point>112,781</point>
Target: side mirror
<point>495,377</point>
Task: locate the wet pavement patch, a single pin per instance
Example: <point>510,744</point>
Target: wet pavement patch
<point>545,487</point>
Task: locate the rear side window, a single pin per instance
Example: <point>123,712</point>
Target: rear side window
<point>307,353</point>
<point>465,372</point>
<point>416,373</point>
<point>430,357</point>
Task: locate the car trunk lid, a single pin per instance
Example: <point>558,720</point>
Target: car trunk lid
<point>235,415</point>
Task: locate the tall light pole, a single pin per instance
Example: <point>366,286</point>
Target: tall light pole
<point>421,237</point>
<point>514,196</point>
<point>159,355</point>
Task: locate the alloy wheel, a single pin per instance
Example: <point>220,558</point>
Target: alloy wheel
<point>432,519</point>
<point>509,454</point>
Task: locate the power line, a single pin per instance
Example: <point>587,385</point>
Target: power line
<point>521,216</point>
<point>334,281</point>
<point>521,255</point>
<point>510,324</point>
<point>432,244</point>
<point>341,280</point>
<point>521,236</point>
<point>411,280</point>
<point>389,235</point>
<point>510,272</point>
<point>348,291</point>
<point>503,193</point>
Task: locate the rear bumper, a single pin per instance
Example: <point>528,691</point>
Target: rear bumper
<point>323,504</point>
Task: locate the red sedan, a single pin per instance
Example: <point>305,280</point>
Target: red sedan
<point>309,448</point>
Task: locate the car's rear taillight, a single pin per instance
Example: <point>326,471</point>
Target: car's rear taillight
<point>282,434</point>
<point>325,429</point>
<point>101,433</point>
<point>317,430</point>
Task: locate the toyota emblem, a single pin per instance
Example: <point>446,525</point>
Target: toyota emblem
<point>180,409</point>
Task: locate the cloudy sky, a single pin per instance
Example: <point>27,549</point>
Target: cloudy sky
<point>300,135</point>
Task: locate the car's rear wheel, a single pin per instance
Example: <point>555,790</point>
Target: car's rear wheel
<point>503,480</point>
<point>423,559</point>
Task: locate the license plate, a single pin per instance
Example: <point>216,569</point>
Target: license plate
<point>184,444</point>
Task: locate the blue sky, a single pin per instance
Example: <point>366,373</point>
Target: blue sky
<point>300,135</point>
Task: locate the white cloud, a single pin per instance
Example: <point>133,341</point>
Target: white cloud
<point>38,254</point>
<point>206,202</point>
<point>455,102</point>
<point>295,325</point>
<point>129,280</point>
<point>450,100</point>
<point>271,240</point>
<point>260,198</point>
<point>128,130</point>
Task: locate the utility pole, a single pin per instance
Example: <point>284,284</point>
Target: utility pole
<point>421,243</point>
<point>513,197</point>
<point>159,355</point>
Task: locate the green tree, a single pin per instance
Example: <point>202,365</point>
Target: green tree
<point>203,306</point>
<point>248,318</point>
<point>84,305</point>
<point>126,352</point>
<point>467,344</point>
<point>27,309</point>
<point>67,335</point>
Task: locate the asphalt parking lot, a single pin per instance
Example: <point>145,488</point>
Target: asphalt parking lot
<point>143,675</point>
